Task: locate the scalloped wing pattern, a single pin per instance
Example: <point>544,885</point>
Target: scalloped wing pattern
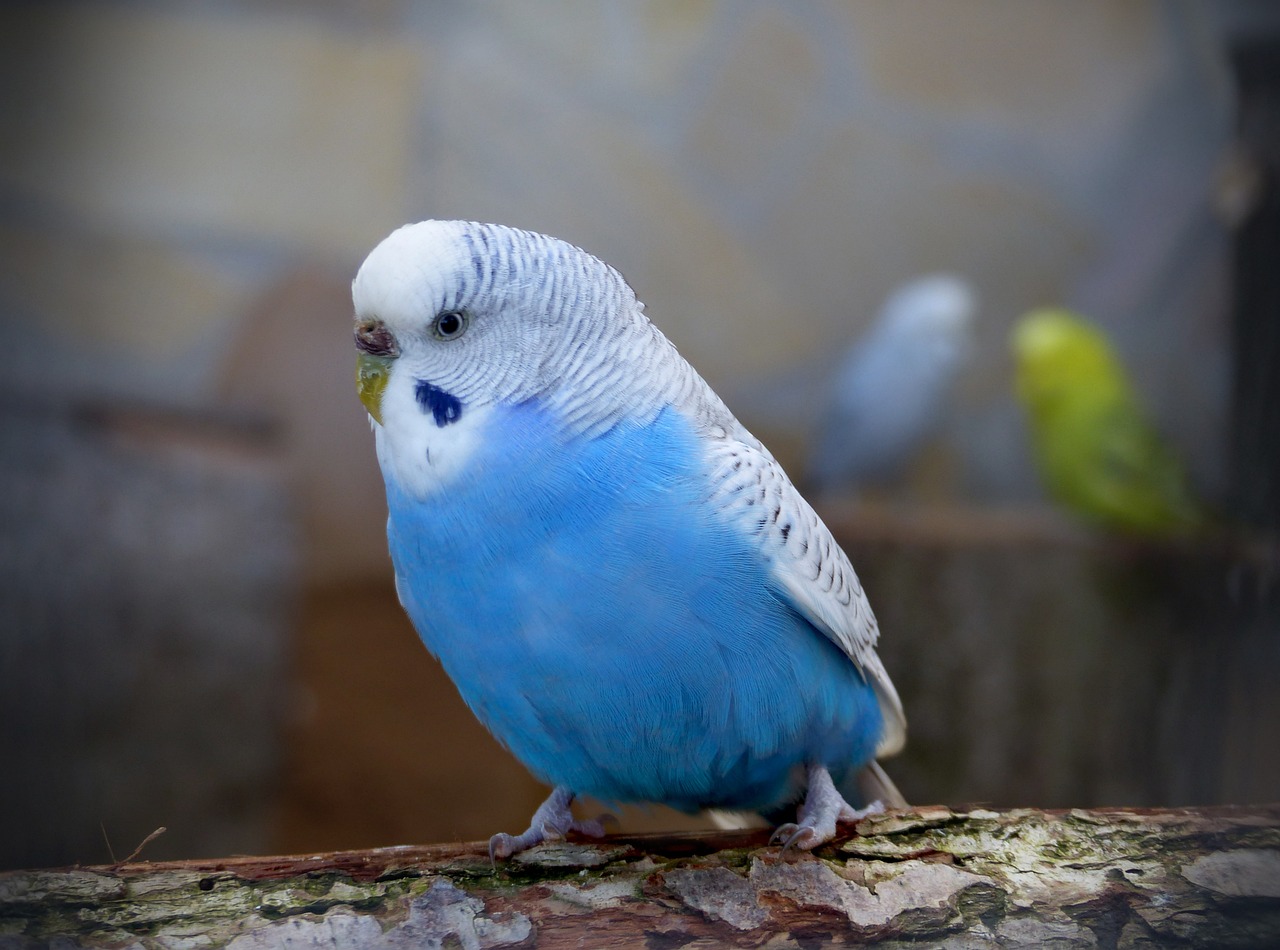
<point>749,485</point>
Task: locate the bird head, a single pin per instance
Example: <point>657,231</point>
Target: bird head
<point>452,316</point>
<point>455,318</point>
<point>1056,353</point>
<point>937,305</point>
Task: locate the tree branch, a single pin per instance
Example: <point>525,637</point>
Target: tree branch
<point>1108,877</point>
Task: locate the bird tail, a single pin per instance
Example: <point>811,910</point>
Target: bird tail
<point>874,785</point>
<point>736,820</point>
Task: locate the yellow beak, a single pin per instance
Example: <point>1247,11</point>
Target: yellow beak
<point>372,373</point>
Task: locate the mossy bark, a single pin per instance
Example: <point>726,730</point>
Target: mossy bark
<point>1110,878</point>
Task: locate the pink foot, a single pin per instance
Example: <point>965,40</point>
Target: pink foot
<point>550,822</point>
<point>818,814</point>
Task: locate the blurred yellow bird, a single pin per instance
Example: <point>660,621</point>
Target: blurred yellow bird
<point>1096,450</point>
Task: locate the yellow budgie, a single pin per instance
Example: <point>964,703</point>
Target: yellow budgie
<point>1096,450</point>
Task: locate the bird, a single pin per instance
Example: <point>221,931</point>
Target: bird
<point>1095,447</point>
<point>890,389</point>
<point>620,580</point>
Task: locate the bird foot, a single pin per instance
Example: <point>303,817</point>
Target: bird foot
<point>551,822</point>
<point>822,808</point>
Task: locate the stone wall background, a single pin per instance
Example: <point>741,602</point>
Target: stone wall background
<point>186,189</point>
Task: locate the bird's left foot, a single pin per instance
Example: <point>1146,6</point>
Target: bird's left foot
<point>552,821</point>
<point>822,808</point>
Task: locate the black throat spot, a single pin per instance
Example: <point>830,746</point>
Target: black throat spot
<point>443,406</point>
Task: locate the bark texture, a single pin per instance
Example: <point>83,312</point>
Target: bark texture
<point>925,876</point>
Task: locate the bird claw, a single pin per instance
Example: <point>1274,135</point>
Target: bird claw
<point>503,845</point>
<point>792,835</point>
<point>783,832</point>
<point>823,807</point>
<point>551,822</point>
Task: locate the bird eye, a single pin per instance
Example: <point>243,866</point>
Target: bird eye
<point>375,339</point>
<point>449,325</point>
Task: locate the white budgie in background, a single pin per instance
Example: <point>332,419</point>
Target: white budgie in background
<point>890,390</point>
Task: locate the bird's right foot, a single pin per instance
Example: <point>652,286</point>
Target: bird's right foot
<point>551,822</point>
<point>823,807</point>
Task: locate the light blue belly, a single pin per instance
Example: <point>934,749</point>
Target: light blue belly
<point>615,634</point>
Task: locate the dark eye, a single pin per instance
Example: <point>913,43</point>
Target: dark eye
<point>375,339</point>
<point>449,325</point>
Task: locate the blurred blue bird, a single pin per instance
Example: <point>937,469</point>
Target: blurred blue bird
<point>623,584</point>
<point>891,388</point>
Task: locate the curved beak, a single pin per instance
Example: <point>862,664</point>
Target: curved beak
<point>372,373</point>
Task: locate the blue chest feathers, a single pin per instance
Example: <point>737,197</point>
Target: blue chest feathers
<point>610,628</point>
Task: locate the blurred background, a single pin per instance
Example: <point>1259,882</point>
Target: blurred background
<point>198,628</point>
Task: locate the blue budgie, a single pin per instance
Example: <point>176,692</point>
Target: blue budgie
<point>623,584</point>
<point>892,386</point>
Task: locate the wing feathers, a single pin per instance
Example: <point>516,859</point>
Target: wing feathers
<point>748,483</point>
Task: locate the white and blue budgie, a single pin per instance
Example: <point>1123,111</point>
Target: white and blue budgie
<point>623,584</point>
<point>891,388</point>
